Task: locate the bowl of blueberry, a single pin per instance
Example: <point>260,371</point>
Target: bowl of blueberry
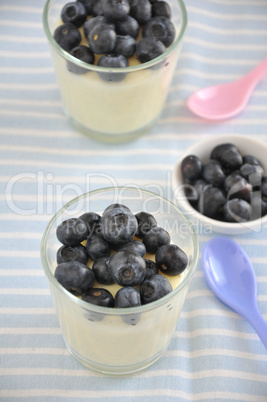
<point>221,183</point>
<point>114,61</point>
<point>119,262</point>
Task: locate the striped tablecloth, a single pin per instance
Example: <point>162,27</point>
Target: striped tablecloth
<point>214,354</point>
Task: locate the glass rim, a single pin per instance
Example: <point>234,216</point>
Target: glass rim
<point>118,311</point>
<point>92,67</point>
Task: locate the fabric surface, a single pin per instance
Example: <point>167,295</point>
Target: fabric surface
<point>214,354</point>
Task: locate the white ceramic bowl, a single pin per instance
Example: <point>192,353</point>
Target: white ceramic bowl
<point>203,224</point>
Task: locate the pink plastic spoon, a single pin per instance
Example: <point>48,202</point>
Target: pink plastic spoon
<point>222,101</point>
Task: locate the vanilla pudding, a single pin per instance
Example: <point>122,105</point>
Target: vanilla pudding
<point>114,110</point>
<point>121,339</point>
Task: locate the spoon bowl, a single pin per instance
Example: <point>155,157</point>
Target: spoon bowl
<point>230,275</point>
<point>223,101</point>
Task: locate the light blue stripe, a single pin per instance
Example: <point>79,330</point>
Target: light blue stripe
<point>215,384</point>
<point>24,301</point>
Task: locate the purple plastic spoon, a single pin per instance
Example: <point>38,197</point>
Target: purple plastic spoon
<point>231,277</point>
<point>223,101</point>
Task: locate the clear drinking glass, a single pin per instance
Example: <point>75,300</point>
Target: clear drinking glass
<point>116,340</point>
<point>114,105</point>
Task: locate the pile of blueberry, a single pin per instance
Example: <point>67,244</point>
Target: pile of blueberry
<point>117,257</point>
<point>111,28</point>
<point>229,187</point>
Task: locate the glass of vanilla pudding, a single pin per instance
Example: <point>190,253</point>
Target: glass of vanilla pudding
<point>113,340</point>
<point>113,104</point>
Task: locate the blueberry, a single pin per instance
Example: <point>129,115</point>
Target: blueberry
<point>102,39</point>
<point>83,53</point>
<point>154,288</point>
<point>237,186</point>
<point>237,210</point>
<point>97,247</point>
<point>127,268</point>
<point>191,167</point>
<point>127,296</point>
<point>193,190</point>
<point>141,10</point>
<point>67,36</point>
<point>92,221</point>
<point>135,246</point>
<point>74,13</point>
<point>213,173</point>
<point>211,202</point>
<point>116,10</point>
<point>160,28</point>
<point>231,159</point>
<point>171,260</point>
<point>128,27</point>
<point>219,150</point>
<point>75,277</point>
<point>161,8</point>
<point>155,238</point>
<point>94,316</point>
<point>252,173</point>
<point>228,155</point>
<point>72,232</point>
<point>151,268</point>
<point>92,22</point>
<point>97,8</point>
<point>258,206</point>
<point>148,49</point>
<point>125,45</point>
<point>76,253</point>
<point>88,5</point>
<point>118,226</point>
<point>264,187</point>
<point>100,269</point>
<point>190,193</point>
<point>200,186</point>
<point>116,206</point>
<point>231,180</point>
<point>113,61</point>
<point>146,222</point>
<point>99,297</point>
<point>252,160</point>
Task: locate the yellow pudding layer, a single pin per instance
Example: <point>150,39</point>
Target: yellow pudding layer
<point>112,107</point>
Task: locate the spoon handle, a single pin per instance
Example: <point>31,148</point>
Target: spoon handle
<point>258,73</point>
<point>259,324</point>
